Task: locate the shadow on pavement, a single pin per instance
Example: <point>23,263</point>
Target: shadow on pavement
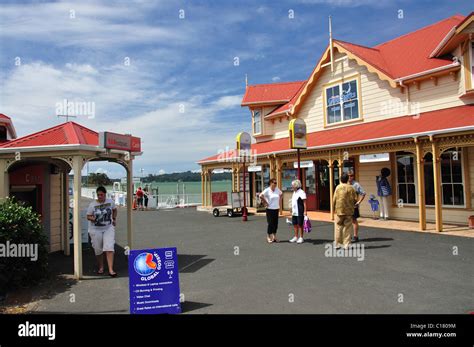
<point>189,263</point>
<point>375,239</point>
<point>189,306</point>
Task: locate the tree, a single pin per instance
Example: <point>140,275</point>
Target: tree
<point>99,179</point>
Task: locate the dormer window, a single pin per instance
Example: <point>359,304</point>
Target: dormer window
<point>3,133</point>
<point>257,121</point>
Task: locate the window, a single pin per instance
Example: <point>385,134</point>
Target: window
<point>452,180</point>
<point>406,188</point>
<point>342,102</point>
<point>257,122</point>
<point>288,176</point>
<point>3,134</point>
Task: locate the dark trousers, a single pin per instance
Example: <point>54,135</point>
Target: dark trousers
<point>272,220</point>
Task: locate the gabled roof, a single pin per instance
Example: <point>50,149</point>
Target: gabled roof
<point>69,133</point>
<point>271,93</point>
<point>396,59</point>
<point>289,105</point>
<point>408,54</point>
<point>459,118</point>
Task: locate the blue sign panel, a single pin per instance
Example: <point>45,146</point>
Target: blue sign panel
<point>154,281</point>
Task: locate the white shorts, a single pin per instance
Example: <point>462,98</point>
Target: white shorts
<point>103,241</point>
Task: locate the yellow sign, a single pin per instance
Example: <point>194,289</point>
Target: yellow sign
<point>244,141</point>
<point>297,130</point>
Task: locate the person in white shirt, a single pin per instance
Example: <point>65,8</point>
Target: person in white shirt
<point>271,197</point>
<point>102,216</point>
<point>298,211</point>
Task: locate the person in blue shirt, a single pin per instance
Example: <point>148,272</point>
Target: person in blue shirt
<point>384,190</point>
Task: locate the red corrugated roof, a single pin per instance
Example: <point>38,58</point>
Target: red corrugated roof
<point>271,93</point>
<point>406,126</point>
<point>69,133</point>
<point>2,116</point>
<point>403,56</point>
<point>408,54</point>
<point>287,107</point>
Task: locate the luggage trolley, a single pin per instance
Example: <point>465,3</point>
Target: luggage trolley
<point>220,204</point>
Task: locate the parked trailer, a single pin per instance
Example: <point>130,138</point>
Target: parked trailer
<point>219,202</point>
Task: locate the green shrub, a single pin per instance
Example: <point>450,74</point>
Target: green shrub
<point>20,225</point>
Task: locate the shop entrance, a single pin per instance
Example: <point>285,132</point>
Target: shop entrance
<point>316,180</point>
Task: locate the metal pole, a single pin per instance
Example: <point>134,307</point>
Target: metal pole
<point>299,169</point>
<point>244,214</point>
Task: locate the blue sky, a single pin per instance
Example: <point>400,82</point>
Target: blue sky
<point>172,81</point>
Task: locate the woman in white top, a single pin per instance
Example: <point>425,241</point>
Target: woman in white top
<point>271,198</point>
<point>298,211</point>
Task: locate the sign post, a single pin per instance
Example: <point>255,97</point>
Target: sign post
<point>244,141</point>
<point>154,281</point>
<point>298,140</point>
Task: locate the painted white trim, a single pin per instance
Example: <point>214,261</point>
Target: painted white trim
<point>443,42</point>
<point>427,72</point>
<point>52,148</point>
<point>269,102</point>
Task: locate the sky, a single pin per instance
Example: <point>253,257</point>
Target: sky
<point>173,72</point>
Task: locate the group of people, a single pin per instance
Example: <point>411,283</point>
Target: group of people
<point>271,198</point>
<point>349,194</point>
<point>347,198</point>
<point>142,196</point>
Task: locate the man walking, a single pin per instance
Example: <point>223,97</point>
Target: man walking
<point>360,195</point>
<point>345,198</point>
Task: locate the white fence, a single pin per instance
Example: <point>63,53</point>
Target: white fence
<point>160,201</point>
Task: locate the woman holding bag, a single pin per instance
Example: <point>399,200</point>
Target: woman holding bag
<point>271,198</point>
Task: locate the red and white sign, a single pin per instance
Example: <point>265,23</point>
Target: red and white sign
<point>119,141</point>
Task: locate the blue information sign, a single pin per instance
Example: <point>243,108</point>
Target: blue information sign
<point>154,281</point>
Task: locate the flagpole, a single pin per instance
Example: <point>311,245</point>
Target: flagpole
<point>330,44</point>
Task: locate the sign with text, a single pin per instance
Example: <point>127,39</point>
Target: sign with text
<point>303,164</point>
<point>297,129</point>
<point>154,281</point>
<point>122,142</point>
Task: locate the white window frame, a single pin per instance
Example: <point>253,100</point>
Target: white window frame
<point>461,159</point>
<point>261,121</point>
<point>341,102</point>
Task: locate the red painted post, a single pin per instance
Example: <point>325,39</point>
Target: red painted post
<point>244,212</point>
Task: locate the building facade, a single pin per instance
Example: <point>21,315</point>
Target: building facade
<point>406,104</point>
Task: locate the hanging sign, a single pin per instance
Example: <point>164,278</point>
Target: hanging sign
<point>297,129</point>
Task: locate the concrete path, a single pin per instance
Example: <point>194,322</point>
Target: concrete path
<point>226,266</point>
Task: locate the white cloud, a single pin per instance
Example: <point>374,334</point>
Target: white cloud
<point>275,79</point>
<point>83,24</point>
<point>228,101</point>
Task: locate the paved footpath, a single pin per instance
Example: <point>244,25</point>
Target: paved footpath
<point>226,266</point>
